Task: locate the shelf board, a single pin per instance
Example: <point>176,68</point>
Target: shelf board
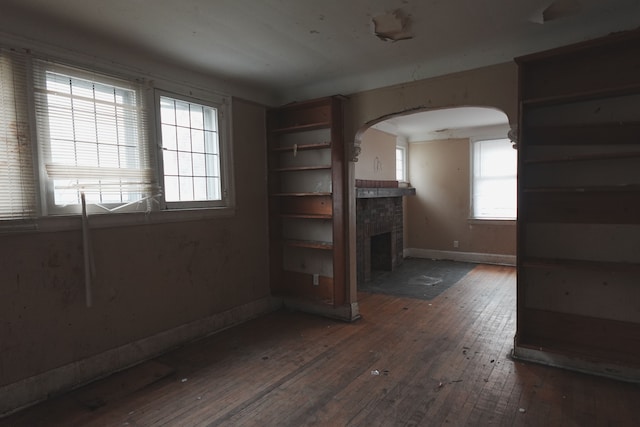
<point>585,189</point>
<point>579,264</point>
<point>602,207</point>
<point>582,157</point>
<point>302,168</point>
<point>300,194</point>
<point>583,134</point>
<point>301,128</point>
<point>623,90</point>
<point>307,216</point>
<point>303,147</point>
<point>312,244</point>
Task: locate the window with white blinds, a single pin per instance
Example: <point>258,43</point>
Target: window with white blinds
<point>494,190</point>
<point>92,136</point>
<point>69,134</point>
<point>17,178</point>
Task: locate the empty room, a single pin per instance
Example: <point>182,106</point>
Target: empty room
<point>329,213</point>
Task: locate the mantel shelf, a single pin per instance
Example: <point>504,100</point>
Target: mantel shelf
<point>371,193</point>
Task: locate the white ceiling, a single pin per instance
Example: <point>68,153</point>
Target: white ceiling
<point>299,49</point>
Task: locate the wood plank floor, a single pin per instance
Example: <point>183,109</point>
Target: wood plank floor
<point>407,362</point>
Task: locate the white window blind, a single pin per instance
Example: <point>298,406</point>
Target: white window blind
<point>494,179</point>
<point>17,182</point>
<point>92,136</point>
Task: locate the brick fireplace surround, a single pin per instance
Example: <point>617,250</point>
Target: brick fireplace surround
<point>379,226</point>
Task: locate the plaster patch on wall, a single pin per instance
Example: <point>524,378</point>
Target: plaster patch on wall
<point>392,26</point>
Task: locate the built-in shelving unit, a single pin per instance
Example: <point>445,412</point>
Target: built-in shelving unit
<point>579,203</point>
<point>307,192</point>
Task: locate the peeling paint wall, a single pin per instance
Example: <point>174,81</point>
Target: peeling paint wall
<point>494,86</point>
<point>149,278</point>
<point>377,160</point>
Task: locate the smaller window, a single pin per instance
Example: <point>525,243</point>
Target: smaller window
<point>401,164</point>
<point>494,179</point>
<point>192,151</point>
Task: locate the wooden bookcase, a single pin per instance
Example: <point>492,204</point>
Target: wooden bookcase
<point>306,201</point>
<point>579,202</point>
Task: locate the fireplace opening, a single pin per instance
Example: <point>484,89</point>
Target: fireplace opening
<point>379,229</point>
<point>381,252</point>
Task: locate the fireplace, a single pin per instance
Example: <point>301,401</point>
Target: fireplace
<point>379,228</point>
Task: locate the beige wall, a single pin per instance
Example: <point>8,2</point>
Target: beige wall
<point>439,212</point>
<point>377,160</point>
<point>149,278</point>
<point>494,87</point>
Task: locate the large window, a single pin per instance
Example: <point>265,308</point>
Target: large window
<point>91,132</point>
<point>91,136</point>
<point>494,164</point>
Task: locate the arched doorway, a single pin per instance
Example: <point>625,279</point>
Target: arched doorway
<point>444,136</point>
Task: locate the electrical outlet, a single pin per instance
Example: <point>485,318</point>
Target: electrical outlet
<point>456,244</point>
<point>316,279</point>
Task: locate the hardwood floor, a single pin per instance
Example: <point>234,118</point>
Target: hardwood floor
<point>406,362</point>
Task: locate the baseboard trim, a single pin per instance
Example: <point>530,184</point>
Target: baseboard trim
<point>347,312</point>
<point>30,391</point>
<point>479,258</point>
<point>608,370</point>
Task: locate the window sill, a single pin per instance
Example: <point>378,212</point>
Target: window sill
<point>74,222</point>
<point>491,221</point>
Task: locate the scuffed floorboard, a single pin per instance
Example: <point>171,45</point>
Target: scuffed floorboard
<point>406,362</point>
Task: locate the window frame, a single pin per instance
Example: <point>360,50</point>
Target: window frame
<point>473,217</point>
<point>48,206</point>
<point>402,146</point>
<point>44,219</point>
<point>222,105</point>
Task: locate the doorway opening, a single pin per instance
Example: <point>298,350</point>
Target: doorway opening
<point>431,202</point>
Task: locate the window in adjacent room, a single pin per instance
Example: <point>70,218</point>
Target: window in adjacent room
<point>92,138</point>
<point>401,164</point>
<point>193,170</point>
<point>494,165</point>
